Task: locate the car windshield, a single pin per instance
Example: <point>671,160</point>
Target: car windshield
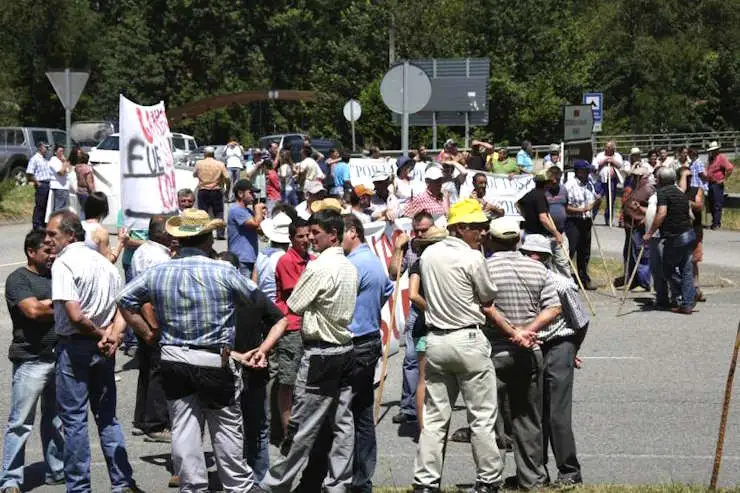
<point>109,144</point>
<point>179,143</point>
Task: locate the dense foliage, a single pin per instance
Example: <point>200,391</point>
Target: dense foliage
<point>664,65</point>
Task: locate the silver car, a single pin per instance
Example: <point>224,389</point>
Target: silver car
<point>18,144</point>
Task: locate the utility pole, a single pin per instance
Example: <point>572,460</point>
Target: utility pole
<point>392,41</point>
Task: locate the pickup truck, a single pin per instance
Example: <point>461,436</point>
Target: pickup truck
<point>18,144</point>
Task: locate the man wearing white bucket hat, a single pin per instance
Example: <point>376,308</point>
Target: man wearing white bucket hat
<point>718,170</point>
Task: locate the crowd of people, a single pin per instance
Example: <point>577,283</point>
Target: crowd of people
<point>495,313</point>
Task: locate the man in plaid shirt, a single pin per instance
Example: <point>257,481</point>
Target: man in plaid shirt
<point>40,174</point>
<point>325,295</point>
<point>432,200</point>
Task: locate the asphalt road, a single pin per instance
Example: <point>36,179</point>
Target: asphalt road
<point>647,402</point>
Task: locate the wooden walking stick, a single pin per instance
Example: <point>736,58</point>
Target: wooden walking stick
<point>386,349</point>
<point>725,412</point>
<point>580,283</point>
<point>632,278</point>
<point>610,205</point>
<point>603,261</point>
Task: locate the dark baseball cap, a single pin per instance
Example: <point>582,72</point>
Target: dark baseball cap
<point>243,185</point>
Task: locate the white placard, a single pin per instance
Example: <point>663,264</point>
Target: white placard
<point>147,165</point>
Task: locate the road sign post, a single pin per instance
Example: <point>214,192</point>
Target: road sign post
<point>596,101</point>
<point>405,89</point>
<point>68,85</point>
<point>352,112</point>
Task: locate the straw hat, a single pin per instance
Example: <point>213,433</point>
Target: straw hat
<point>432,235</point>
<point>276,228</point>
<point>713,146</point>
<point>326,204</point>
<point>192,222</point>
<point>466,211</point>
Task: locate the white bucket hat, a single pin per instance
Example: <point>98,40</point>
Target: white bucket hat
<point>277,228</point>
<point>713,146</point>
<point>536,243</point>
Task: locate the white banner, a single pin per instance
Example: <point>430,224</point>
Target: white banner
<point>381,237</point>
<point>501,190</point>
<point>361,170</point>
<point>147,166</point>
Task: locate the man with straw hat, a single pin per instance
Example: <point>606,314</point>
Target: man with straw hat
<point>458,354</point>
<point>529,302</point>
<point>194,298</point>
<point>718,170</point>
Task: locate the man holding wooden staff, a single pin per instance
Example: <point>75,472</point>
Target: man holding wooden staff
<point>583,199</point>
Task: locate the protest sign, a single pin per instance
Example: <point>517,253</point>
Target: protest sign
<point>361,170</point>
<point>147,168</point>
<point>502,190</point>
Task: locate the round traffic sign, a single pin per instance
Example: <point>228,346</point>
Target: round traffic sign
<point>418,88</point>
<point>352,110</point>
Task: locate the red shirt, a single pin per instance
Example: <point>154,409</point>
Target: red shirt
<point>273,185</point>
<point>287,272</point>
<point>717,169</point>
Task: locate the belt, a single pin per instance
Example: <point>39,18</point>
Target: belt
<point>435,330</point>
<point>323,344</point>
<point>372,336</point>
<point>75,337</point>
<point>210,349</point>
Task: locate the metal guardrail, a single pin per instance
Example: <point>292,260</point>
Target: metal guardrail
<point>728,140</point>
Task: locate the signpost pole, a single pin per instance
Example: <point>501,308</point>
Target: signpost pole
<point>352,119</point>
<point>68,111</point>
<point>467,129</point>
<point>434,129</point>
<point>404,112</point>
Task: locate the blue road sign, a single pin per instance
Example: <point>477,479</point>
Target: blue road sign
<point>596,101</point>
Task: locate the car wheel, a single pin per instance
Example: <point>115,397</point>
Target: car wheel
<point>18,175</point>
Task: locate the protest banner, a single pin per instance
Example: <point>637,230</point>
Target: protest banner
<point>147,167</point>
<point>361,170</point>
<point>502,190</point>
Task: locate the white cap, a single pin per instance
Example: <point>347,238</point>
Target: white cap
<point>380,176</point>
<point>314,187</point>
<point>554,148</point>
<point>433,173</point>
<point>635,150</point>
<point>209,150</point>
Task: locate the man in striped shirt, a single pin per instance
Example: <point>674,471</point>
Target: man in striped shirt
<point>528,301</point>
<point>40,174</point>
<point>560,342</point>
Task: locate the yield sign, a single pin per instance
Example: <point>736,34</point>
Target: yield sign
<point>68,85</point>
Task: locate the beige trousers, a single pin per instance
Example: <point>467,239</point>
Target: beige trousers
<point>459,362</point>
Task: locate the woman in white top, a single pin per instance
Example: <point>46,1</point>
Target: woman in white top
<point>403,187</point>
<point>96,235</point>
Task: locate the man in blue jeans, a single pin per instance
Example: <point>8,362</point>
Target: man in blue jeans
<point>90,329</point>
<point>28,294</point>
<point>674,221</point>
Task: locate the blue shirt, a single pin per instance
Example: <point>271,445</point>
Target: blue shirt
<point>265,266</point>
<point>524,160</point>
<point>242,241</point>
<point>341,174</point>
<point>375,288</point>
<point>194,298</point>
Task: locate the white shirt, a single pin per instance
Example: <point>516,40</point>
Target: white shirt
<point>58,182</point>
<point>302,210</point>
<point>149,254</point>
<point>233,156</point>
<point>83,275</point>
<point>600,158</point>
<point>311,168</point>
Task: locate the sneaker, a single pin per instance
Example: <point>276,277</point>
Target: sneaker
<point>402,418</point>
<point>484,488</point>
<point>567,482</point>
<point>137,432</point>
<point>462,435</point>
<point>174,481</point>
<point>164,436</point>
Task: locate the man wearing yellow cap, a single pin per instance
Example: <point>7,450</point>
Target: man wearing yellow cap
<point>456,283</point>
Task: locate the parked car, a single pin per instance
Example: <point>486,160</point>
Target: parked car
<point>18,144</point>
<point>182,146</point>
<point>88,134</point>
<point>107,151</point>
<point>282,140</point>
<point>197,155</point>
